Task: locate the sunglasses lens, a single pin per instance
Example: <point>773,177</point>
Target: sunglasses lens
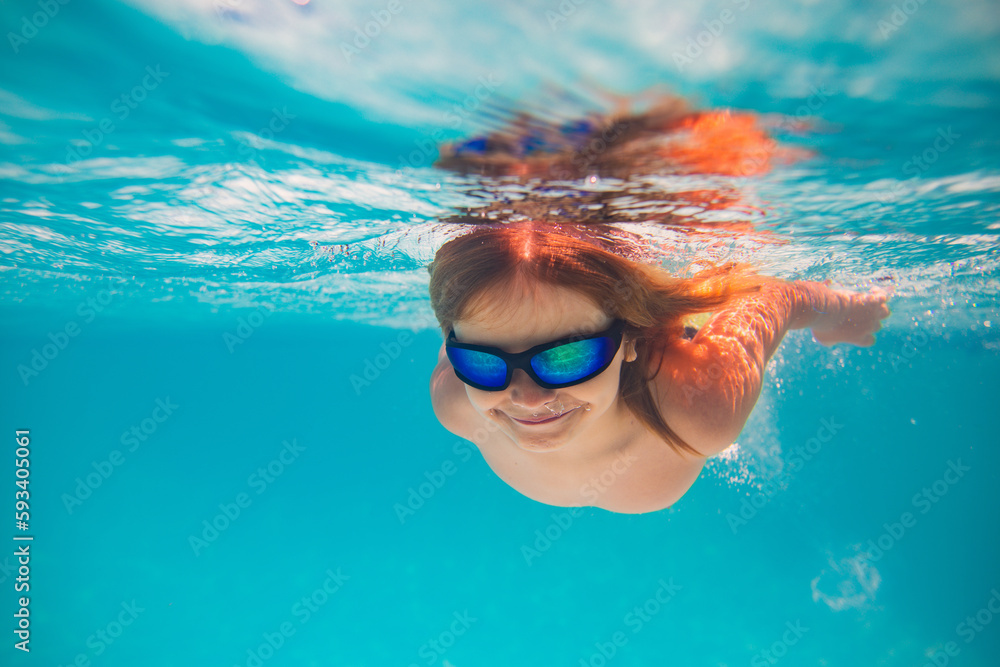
<point>480,367</point>
<point>573,361</point>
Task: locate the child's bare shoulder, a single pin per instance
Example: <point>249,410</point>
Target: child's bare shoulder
<point>689,388</point>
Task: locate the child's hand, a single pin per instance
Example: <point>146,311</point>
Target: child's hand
<point>849,317</point>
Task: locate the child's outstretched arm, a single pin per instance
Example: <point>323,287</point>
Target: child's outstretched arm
<point>709,385</point>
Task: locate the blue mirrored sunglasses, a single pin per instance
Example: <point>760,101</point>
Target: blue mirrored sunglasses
<point>561,363</point>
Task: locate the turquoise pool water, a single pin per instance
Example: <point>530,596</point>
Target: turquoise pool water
<point>214,222</point>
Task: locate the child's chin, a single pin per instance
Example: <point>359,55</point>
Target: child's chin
<point>541,444</point>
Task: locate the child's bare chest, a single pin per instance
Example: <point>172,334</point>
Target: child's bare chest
<point>641,475</point>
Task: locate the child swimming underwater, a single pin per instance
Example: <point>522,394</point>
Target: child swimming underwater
<point>566,363</point>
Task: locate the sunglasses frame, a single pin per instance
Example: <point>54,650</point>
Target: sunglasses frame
<point>522,360</point>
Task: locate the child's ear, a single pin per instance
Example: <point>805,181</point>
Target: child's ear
<point>630,353</point>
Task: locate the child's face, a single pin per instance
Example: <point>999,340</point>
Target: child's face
<point>543,315</point>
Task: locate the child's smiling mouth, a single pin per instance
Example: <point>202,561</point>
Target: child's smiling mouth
<point>545,420</point>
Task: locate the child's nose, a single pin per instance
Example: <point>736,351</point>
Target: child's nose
<point>524,391</point>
